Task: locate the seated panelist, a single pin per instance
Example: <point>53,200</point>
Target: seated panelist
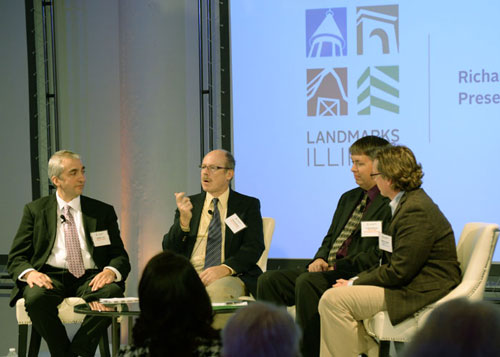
<point>346,249</point>
<point>220,231</point>
<point>419,262</point>
<point>67,245</point>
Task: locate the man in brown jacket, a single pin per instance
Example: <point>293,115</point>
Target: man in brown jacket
<point>419,263</point>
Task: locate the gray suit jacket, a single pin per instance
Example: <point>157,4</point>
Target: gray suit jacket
<point>423,266</point>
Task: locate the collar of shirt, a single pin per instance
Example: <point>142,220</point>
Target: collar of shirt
<point>222,199</point>
<point>372,193</point>
<point>57,257</point>
<point>75,204</point>
<point>395,201</point>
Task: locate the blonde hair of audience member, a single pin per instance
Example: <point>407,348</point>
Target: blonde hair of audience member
<point>458,328</point>
<point>261,329</point>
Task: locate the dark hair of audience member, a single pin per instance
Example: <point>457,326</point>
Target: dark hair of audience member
<point>458,328</point>
<point>261,329</point>
<point>175,307</point>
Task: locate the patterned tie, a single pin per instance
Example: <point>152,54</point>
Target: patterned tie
<point>214,240</point>
<point>73,251</point>
<point>349,228</point>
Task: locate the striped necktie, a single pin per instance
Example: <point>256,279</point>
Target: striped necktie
<point>351,225</point>
<point>214,240</point>
<point>73,251</point>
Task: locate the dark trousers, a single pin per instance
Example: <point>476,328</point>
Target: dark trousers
<point>41,305</point>
<point>303,289</point>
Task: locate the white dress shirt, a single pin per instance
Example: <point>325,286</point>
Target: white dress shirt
<point>57,257</point>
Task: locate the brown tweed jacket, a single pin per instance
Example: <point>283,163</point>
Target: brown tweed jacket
<point>423,266</point>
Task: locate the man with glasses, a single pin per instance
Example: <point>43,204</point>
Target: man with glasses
<point>347,249</point>
<point>219,230</point>
<point>418,266</point>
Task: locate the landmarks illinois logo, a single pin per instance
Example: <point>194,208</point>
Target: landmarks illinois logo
<point>326,37</point>
<point>326,32</point>
<point>327,92</point>
<point>377,29</point>
<point>372,54</point>
<point>377,88</point>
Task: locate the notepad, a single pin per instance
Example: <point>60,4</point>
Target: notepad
<point>121,300</point>
<point>230,303</point>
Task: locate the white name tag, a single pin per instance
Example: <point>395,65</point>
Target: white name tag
<point>371,228</point>
<point>234,223</point>
<point>385,242</point>
<point>100,238</point>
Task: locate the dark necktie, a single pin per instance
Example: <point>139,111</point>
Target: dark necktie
<point>214,239</point>
<point>349,228</point>
<point>73,251</point>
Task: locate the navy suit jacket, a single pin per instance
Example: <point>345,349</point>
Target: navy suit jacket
<point>242,250</point>
<point>36,235</point>
<point>363,252</point>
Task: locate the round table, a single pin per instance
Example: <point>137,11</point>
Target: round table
<point>113,311</point>
<point>131,309</point>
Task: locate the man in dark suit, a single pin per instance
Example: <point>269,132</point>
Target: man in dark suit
<point>67,245</point>
<point>419,263</point>
<point>355,251</point>
<point>219,230</point>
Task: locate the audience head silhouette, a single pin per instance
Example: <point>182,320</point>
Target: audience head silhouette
<point>261,329</point>
<point>458,328</point>
<point>176,312</point>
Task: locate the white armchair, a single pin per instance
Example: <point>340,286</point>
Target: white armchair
<point>268,227</point>
<point>475,252</point>
<point>67,316</point>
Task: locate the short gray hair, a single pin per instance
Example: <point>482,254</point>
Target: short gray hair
<point>230,162</point>
<point>55,166</point>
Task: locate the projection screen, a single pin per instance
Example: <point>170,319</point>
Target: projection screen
<point>311,77</point>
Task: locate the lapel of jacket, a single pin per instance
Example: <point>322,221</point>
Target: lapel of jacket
<point>376,204</point>
<point>50,217</point>
<point>349,210</point>
<point>89,223</point>
<point>398,209</point>
<point>198,201</point>
<point>232,205</point>
<point>393,219</point>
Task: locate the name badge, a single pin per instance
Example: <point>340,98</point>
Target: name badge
<point>100,238</point>
<point>371,228</point>
<point>385,242</point>
<point>234,223</point>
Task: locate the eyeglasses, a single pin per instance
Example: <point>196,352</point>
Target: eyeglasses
<point>376,174</point>
<point>212,168</point>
